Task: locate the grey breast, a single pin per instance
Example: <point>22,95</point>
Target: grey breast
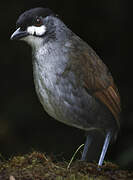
<point>57,93</point>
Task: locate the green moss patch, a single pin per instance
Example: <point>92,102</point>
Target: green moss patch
<point>36,166</point>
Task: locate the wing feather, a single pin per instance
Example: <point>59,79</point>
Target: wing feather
<point>100,83</point>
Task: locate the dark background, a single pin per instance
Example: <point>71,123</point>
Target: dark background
<point>24,126</point>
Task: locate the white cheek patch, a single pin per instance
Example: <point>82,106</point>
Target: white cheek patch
<point>39,31</point>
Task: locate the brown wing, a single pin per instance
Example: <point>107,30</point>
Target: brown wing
<point>99,82</point>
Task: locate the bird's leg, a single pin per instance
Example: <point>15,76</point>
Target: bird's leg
<point>105,147</point>
<point>96,145</point>
<point>86,146</point>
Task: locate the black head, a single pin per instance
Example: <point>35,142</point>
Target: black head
<point>33,17</point>
<point>31,22</point>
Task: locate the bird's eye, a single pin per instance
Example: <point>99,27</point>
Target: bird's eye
<point>38,22</point>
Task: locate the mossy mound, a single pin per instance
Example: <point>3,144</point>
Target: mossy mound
<point>36,166</point>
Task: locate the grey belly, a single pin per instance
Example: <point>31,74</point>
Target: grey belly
<point>74,107</point>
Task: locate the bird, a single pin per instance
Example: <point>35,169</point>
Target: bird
<point>72,83</point>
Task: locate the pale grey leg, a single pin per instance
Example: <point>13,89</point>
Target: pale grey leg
<point>86,146</point>
<point>105,147</point>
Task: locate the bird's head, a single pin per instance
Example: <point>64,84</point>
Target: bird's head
<point>35,25</point>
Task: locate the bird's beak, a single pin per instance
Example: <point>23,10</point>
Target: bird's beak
<point>18,34</point>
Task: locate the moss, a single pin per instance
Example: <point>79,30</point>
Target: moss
<point>36,166</point>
